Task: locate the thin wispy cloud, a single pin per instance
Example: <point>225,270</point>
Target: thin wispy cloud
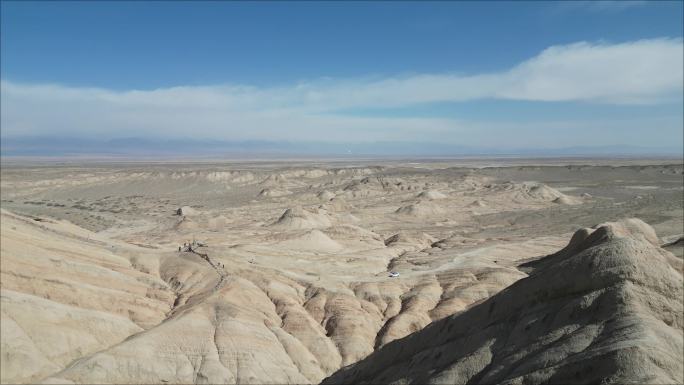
<point>602,6</point>
<point>638,72</point>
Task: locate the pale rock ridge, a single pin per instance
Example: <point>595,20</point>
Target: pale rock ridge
<point>312,240</point>
<point>606,308</point>
<point>420,209</point>
<point>477,203</point>
<point>186,211</point>
<point>299,218</point>
<point>431,195</point>
<point>325,195</point>
<point>272,193</point>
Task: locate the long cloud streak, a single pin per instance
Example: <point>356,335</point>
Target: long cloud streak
<point>639,72</point>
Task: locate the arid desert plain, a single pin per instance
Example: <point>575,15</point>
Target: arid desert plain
<point>475,271</point>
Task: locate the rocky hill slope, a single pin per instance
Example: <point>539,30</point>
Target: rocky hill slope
<point>605,309</point>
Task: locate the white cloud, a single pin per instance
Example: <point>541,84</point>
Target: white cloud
<point>639,72</point>
<point>645,71</point>
<point>597,5</point>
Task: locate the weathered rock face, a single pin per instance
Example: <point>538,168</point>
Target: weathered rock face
<point>298,218</point>
<point>421,209</point>
<point>218,341</point>
<point>64,296</point>
<point>186,211</point>
<point>606,309</point>
<point>267,192</point>
<point>431,195</point>
<point>84,309</point>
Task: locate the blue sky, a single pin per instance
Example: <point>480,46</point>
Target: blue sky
<point>551,74</point>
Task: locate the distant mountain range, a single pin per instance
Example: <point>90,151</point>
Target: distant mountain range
<point>149,147</point>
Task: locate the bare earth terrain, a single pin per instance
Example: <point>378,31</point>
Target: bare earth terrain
<point>509,271</point>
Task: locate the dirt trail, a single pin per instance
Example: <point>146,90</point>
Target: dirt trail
<point>219,269</point>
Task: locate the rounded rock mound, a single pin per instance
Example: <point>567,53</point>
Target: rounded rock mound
<point>477,203</point>
<point>566,200</point>
<point>314,240</point>
<point>431,195</point>
<point>272,193</point>
<point>186,211</point>
<point>325,195</point>
<point>298,218</point>
<point>605,309</point>
<point>420,209</point>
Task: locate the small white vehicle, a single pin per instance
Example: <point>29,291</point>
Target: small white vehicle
<point>393,274</point>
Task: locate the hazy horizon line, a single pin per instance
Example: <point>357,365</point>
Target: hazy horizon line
<point>60,146</point>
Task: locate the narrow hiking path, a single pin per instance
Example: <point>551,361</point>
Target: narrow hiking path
<point>219,269</point>
<point>223,276</point>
